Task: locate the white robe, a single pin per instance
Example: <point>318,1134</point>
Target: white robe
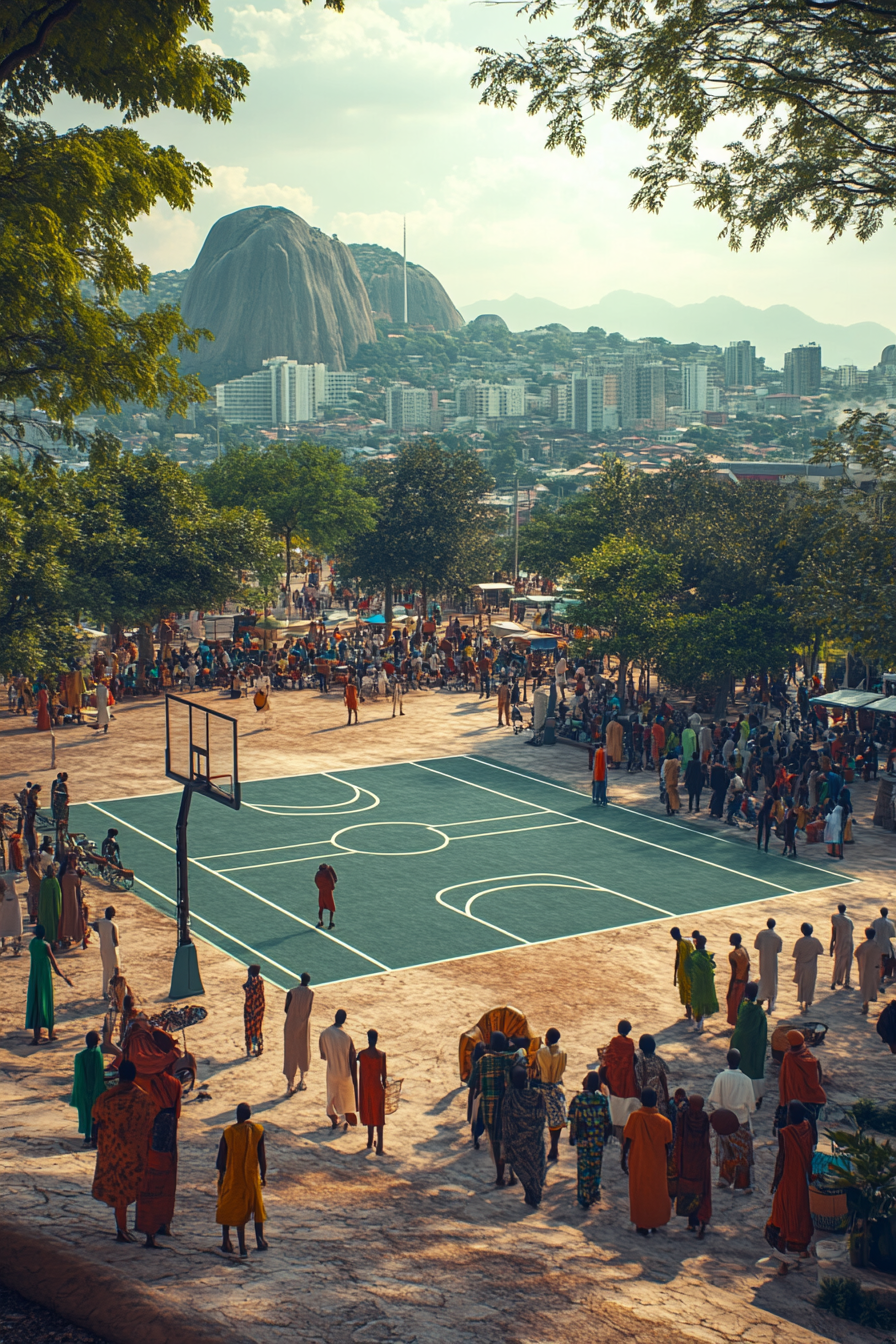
<point>868,957</point>
<point>843,949</point>
<point>10,910</point>
<point>884,933</point>
<point>733,1091</point>
<point>806,951</point>
<point>102,705</point>
<point>335,1048</point>
<point>768,944</point>
<point>297,1033</point>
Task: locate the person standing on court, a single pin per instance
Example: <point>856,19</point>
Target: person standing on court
<point>739,961</point>
<point>599,775</point>
<point>338,1049</point>
<point>646,1147</point>
<point>841,947</point>
<point>869,959</point>
<point>109,945</point>
<point>806,951</point>
<point>297,1035</point>
<point>325,880</point>
<point>372,1090</point>
<point>683,949</point>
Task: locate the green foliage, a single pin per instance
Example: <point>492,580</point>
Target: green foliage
<point>703,651</point>
<point>432,531</point>
<point>810,84</point>
<point>847,1299</point>
<point>70,199</point>
<point>627,592</point>
<point>128,540</point>
<point>306,492</point>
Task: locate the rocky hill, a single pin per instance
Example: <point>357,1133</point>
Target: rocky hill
<point>382,272</point>
<point>266,283</point>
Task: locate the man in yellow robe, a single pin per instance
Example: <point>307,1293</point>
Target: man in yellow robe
<point>242,1170</point>
<point>683,949</point>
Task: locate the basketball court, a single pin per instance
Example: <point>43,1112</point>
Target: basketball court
<point>437,860</point>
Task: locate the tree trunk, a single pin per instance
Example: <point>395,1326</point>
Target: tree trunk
<point>620,680</point>
<point>387,608</point>
<point>720,709</point>
<point>288,539</point>
<point>423,615</point>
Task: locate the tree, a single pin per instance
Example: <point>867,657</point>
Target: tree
<point>433,531</point>
<point>305,490</point>
<point>812,83</point>
<point>151,543</point>
<point>69,200</point>
<point>627,592</point>
<point>38,590</point>
<point>703,651</point>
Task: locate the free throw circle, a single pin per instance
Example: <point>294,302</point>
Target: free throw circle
<point>385,839</point>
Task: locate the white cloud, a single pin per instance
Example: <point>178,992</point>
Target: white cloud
<point>232,188</point>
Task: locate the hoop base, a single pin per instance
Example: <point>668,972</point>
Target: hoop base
<point>185,978</point>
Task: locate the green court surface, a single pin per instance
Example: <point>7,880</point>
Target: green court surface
<point>436,859</point>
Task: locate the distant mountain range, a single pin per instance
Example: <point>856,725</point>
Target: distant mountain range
<point>716,321</point>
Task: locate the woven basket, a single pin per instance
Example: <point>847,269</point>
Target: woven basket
<point>829,1210</point>
<point>393,1092</point>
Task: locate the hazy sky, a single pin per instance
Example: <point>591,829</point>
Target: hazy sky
<point>353,120</point>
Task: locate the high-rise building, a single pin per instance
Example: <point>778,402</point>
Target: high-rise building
<point>593,403</point>
<point>628,387</point>
<point>740,364</point>
<point>847,376</point>
<point>410,407</point>
<point>283,392</point>
<point>560,402</point>
<point>491,401</point>
<point>802,370</point>
<point>650,407</point>
<point>693,386</point>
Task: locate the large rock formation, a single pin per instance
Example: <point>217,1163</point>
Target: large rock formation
<point>383,274</point>
<point>266,283</point>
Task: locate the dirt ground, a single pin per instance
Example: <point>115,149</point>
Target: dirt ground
<point>417,1244</point>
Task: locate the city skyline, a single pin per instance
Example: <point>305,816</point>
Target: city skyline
<point>337,99</point>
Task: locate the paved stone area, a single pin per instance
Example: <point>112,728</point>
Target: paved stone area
<point>418,1244</point>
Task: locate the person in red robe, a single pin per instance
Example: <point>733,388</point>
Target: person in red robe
<point>801,1076</point>
<point>325,880</point>
<point>647,1145</point>
<point>739,961</point>
<point>372,1087</point>
<point>619,1063</point>
<point>152,1052</point>
<point>44,722</point>
<point>789,1229</point>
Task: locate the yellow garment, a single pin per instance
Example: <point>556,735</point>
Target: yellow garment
<point>551,1062</point>
<point>239,1193</point>
<point>685,950</point>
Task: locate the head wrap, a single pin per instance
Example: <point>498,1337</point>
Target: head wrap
<point>795,1038</point>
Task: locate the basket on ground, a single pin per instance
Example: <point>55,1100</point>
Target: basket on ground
<point>393,1092</point>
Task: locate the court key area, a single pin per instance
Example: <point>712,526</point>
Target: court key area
<point>436,859</point>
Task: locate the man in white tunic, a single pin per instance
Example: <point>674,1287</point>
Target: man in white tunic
<point>297,1035</point>
<point>733,1091</point>
<point>806,951</point>
<point>338,1049</point>
<point>768,944</point>
<point>884,933</point>
<point>262,698</point>
<point>841,947</point>
<point>109,944</point>
<point>869,959</point>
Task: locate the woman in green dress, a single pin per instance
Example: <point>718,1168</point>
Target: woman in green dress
<point>39,1009</point>
<point>49,905</point>
<point>701,971</point>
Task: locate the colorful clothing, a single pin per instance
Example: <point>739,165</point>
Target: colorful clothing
<point>125,1117</point>
<point>619,1064</point>
<point>523,1115</point>
<point>684,950</point>
<point>790,1227</point>
<point>49,907</point>
<point>491,1074</point>
<point>750,1037</point>
<point>239,1191</point>
<point>734,1154</point>
<point>39,1006</point>
<point>372,1088</point>
<point>739,961</point>
<point>589,1129</point>
<point>650,1071</point>
<point>648,1193</point>
<point>253,1013</point>
<point>690,1172</point>
<point>155,1202</point>
<point>89,1084</point>
<point>702,972</point>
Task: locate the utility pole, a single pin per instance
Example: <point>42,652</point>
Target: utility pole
<point>516,527</point>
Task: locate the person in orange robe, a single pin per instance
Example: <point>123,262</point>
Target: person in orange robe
<point>372,1088</point>
<point>122,1128</point>
<point>619,1063</point>
<point>739,961</point>
<point>350,697</point>
<point>646,1147</point>
<point>789,1228</point>
<point>44,722</point>
<point>801,1076</point>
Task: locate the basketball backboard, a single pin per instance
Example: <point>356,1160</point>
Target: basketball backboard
<point>201,749</point>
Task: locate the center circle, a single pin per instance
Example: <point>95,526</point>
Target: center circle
<point>385,839</point>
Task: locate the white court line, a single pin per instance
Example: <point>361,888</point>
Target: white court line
<point>618,807</point>
<point>249,892</point>
<point>609,830</point>
<point>515,830</point>
<point>277,863</point>
<point>263,849</point>
<point>224,934</point>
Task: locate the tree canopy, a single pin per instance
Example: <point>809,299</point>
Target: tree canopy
<point>811,84</point>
